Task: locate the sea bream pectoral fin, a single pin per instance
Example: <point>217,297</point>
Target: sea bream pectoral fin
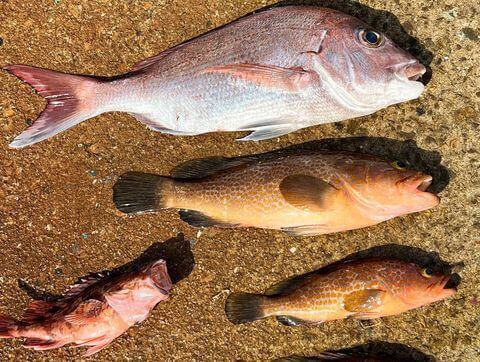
<point>268,76</point>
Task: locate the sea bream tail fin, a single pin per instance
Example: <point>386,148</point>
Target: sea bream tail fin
<point>7,324</point>
<point>137,192</point>
<point>244,307</point>
<point>71,100</point>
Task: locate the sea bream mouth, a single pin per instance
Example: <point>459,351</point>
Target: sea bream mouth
<point>410,72</point>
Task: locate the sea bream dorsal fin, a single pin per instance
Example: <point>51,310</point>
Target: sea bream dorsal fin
<point>204,167</point>
<point>307,192</point>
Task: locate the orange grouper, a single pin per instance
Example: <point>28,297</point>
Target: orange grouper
<point>95,311</point>
<point>300,192</point>
<point>362,289</point>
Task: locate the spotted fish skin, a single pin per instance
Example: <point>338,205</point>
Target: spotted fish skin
<point>302,193</point>
<point>363,289</point>
<point>271,73</point>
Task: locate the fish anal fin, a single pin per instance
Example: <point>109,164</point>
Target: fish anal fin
<point>38,344</point>
<point>305,230</point>
<point>306,192</point>
<point>204,167</point>
<point>294,322</point>
<point>364,301</point>
<point>199,219</point>
<point>268,76</point>
<point>86,312</point>
<point>98,347</point>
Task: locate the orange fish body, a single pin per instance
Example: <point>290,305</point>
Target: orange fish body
<point>94,312</point>
<point>364,289</point>
<point>302,193</point>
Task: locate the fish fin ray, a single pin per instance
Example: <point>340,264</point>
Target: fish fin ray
<point>199,219</point>
<point>86,312</point>
<point>305,230</point>
<point>39,309</point>
<point>150,60</point>
<point>92,350</point>
<point>367,315</point>
<point>268,76</point>
<point>364,300</point>
<point>42,344</point>
<point>204,167</point>
<point>244,307</point>
<point>306,192</point>
<point>289,285</point>
<point>293,322</point>
<point>71,100</point>
<point>137,192</point>
<point>7,323</point>
<point>268,132</point>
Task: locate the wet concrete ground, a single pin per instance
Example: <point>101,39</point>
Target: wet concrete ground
<point>57,221</point>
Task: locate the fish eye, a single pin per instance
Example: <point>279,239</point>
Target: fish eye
<point>427,272</point>
<point>370,38</point>
<point>399,165</point>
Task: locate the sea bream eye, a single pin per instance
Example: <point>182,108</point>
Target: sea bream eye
<point>370,38</point>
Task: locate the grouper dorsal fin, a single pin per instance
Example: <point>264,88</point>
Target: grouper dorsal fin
<point>204,167</point>
<point>306,192</point>
<point>289,285</point>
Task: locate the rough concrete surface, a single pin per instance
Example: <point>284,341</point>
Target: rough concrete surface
<point>57,220</point>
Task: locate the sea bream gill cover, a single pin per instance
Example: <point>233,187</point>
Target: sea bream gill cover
<point>95,311</point>
<point>300,192</point>
<point>269,73</point>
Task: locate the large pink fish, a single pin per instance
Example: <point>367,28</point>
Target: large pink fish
<point>270,73</point>
<point>94,312</point>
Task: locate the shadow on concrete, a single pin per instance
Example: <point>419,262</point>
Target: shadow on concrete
<point>372,351</point>
<point>175,251</point>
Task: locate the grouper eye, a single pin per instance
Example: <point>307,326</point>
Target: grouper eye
<point>399,165</point>
<point>370,38</point>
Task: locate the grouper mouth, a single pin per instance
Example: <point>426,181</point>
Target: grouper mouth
<point>425,183</point>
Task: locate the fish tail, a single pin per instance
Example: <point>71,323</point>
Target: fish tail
<point>245,307</point>
<point>71,100</point>
<point>7,326</point>
<point>138,192</point>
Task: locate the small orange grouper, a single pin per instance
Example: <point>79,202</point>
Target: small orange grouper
<point>363,289</point>
<point>301,193</point>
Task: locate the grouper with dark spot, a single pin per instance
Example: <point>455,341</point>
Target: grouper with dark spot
<point>301,193</point>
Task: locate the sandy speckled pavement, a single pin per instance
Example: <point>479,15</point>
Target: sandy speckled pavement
<point>57,220</point>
